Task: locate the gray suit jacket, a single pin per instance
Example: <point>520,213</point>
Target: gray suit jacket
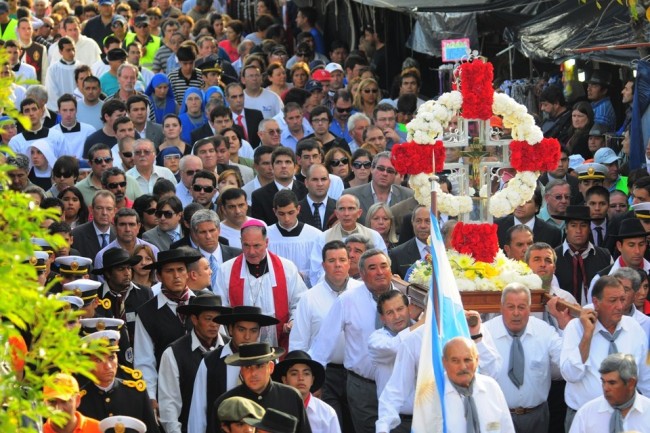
<point>157,237</point>
<point>364,194</point>
<point>154,132</point>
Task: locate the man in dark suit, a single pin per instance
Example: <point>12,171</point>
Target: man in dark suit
<point>220,118</point>
<point>248,119</point>
<point>168,229</point>
<point>94,235</point>
<point>381,187</point>
<point>403,256</point>
<point>283,161</point>
<point>561,173</point>
<point>526,214</point>
<point>317,183</point>
<point>136,108</point>
<point>214,377</point>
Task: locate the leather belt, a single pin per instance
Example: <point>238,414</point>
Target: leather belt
<point>525,410</point>
<point>358,376</point>
<point>337,366</point>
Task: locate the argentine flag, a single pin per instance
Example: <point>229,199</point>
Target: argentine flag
<point>445,320</point>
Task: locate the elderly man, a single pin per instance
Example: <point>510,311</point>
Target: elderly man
<point>533,349</point>
<point>205,228</point>
<point>470,397</point>
<point>269,133</point>
<point>347,212</point>
<point>557,195</point>
<point>357,123</point>
<point>181,360</point>
<point>356,245</point>
<point>310,314</point>
<point>18,175</point>
<point>354,314</point>
<point>145,170</point>
<point>578,260</point>
<point>381,188</point>
<point>621,407</point>
<point>158,323</point>
<point>127,76</point>
<point>214,376</point>
<point>631,282</point>
<point>265,280</point>
<point>256,366</point>
<point>404,255</point>
<point>189,165</point>
<point>599,332</point>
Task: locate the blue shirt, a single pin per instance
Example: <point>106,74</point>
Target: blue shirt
<point>604,113</point>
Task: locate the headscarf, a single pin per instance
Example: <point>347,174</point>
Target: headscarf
<point>170,102</point>
<point>187,125</point>
<point>211,91</point>
<point>173,150</point>
<point>47,151</point>
<point>188,92</point>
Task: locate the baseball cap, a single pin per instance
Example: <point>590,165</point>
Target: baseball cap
<point>141,20</point>
<point>314,86</point>
<point>321,75</point>
<point>63,387</point>
<point>316,64</point>
<point>575,161</point>
<point>605,155</point>
<point>598,130</point>
<point>4,7</point>
<point>118,19</point>
<point>105,2</point>
<point>331,67</point>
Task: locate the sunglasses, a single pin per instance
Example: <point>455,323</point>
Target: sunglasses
<point>164,213</point>
<point>199,188</point>
<point>344,110</point>
<point>365,165</point>
<point>383,169</point>
<point>338,162</point>
<point>370,90</point>
<point>274,131</point>
<point>106,160</point>
<point>562,196</point>
<point>150,211</point>
<point>127,154</point>
<point>116,185</point>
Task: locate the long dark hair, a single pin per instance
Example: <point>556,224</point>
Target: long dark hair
<point>84,213</point>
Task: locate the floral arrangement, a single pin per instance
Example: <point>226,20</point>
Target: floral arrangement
<point>477,240</point>
<point>542,156</point>
<point>519,190</point>
<point>448,204</point>
<point>473,275</point>
<point>433,117</point>
<point>413,158</point>
<point>476,88</point>
<point>516,118</point>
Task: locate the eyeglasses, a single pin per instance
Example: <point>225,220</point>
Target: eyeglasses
<point>117,24</point>
<point>274,131</point>
<point>383,169</point>
<point>562,196</point>
<point>370,90</point>
<point>190,172</point>
<point>150,211</point>
<point>106,160</point>
<point>359,165</point>
<point>127,154</point>
<point>114,185</point>
<point>344,110</point>
<point>164,213</point>
<point>338,162</point>
<point>324,120</point>
<point>206,188</point>
<point>143,152</point>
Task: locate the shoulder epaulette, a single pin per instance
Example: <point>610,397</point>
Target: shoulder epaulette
<point>133,372</point>
<point>140,385</point>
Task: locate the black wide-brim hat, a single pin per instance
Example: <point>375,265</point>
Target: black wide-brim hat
<point>178,255</point>
<point>254,354</point>
<point>575,213</point>
<point>245,313</point>
<point>116,257</point>
<point>203,302</point>
<point>299,357</point>
<point>630,228</point>
<point>274,421</point>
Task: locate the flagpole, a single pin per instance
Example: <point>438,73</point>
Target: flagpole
<point>434,214</point>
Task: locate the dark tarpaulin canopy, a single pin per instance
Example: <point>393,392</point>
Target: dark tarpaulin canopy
<point>552,35</point>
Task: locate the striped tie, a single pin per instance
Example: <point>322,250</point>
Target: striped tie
<point>214,266</point>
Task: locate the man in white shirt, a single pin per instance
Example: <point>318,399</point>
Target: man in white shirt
<point>471,397</point>
<point>631,282</point>
<point>88,50</point>
<point>60,74</point>
<point>299,371</point>
<point>145,170</point>
<point>354,313</point>
<point>530,349</point>
<point>599,332</point>
<point>257,97</point>
<point>74,132</point>
<point>181,360</point>
<point>310,314</point>
<point>621,407</point>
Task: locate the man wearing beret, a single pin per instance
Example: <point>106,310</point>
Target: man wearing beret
<point>233,410</point>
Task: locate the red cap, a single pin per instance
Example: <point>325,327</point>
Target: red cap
<point>321,75</point>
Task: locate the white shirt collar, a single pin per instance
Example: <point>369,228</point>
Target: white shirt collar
<point>281,187</point>
<point>530,224</point>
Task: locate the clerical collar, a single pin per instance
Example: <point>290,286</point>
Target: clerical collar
<point>33,135</point>
<point>68,63</point>
<point>293,231</point>
<point>260,269</point>
<point>74,128</point>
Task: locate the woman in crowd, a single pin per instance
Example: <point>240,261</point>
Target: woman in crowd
<point>367,97</point>
<point>299,74</point>
<point>229,179</point>
<point>361,162</point>
<point>145,206</point>
<point>380,218</point>
<point>75,210</point>
<point>217,26</point>
<point>235,141</point>
<point>582,119</point>
<point>172,133</point>
<point>277,79</point>
<point>144,278</point>
<point>337,162</point>
<point>234,30</point>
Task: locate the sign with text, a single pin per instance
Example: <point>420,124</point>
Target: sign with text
<point>455,49</point>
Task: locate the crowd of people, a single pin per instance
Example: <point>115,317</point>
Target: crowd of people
<point>224,183</point>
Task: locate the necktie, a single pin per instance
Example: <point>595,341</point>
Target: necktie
<point>173,235</point>
<point>427,251</point>
<point>240,122</point>
<point>378,323</point>
<point>616,420</point>
<point>579,274</point>
<point>471,414</point>
<point>104,240</point>
<point>214,266</point>
<point>317,221</point>
<point>599,236</point>
<point>516,368</point>
<point>612,340</point>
